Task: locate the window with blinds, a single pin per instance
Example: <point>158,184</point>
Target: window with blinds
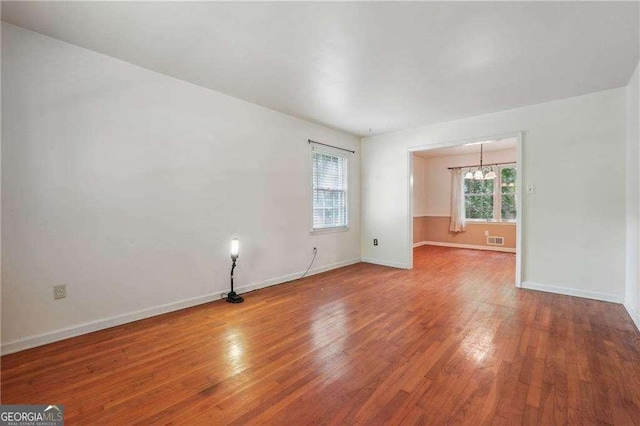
<point>329,190</point>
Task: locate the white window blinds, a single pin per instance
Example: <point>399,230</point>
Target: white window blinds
<point>330,184</point>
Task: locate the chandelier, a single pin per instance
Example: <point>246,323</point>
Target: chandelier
<point>481,172</point>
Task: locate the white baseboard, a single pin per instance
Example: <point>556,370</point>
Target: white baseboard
<point>385,263</point>
<point>465,246</point>
<point>635,317</point>
<point>568,291</point>
<point>89,327</point>
<point>77,330</point>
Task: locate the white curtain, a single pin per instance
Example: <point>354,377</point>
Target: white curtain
<point>457,222</point>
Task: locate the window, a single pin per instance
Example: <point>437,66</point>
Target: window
<point>330,183</point>
<point>492,199</point>
<point>508,193</point>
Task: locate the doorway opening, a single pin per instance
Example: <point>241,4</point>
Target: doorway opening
<point>467,195</point>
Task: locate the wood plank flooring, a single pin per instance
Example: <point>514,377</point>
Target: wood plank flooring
<point>451,341</point>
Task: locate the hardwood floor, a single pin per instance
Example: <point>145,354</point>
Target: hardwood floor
<point>451,341</point>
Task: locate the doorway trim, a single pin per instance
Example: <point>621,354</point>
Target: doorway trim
<point>519,191</point>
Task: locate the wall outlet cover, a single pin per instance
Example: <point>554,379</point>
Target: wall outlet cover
<point>59,291</point>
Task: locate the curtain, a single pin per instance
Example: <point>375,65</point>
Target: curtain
<point>457,222</point>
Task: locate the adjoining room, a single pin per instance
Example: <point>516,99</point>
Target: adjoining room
<point>465,196</point>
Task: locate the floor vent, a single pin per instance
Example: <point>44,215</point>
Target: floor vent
<point>495,241</point>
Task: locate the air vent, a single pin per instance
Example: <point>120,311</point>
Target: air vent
<point>495,241</point>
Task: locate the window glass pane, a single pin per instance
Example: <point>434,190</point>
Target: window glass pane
<point>472,186</point>
<point>508,175</point>
<point>508,207</point>
<point>478,198</point>
<point>479,206</point>
<point>508,191</point>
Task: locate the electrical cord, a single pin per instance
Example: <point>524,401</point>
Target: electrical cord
<point>315,252</point>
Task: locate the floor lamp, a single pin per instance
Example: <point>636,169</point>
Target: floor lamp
<point>232,297</point>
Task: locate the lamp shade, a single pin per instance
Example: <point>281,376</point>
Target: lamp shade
<point>235,248</point>
<point>490,175</point>
<point>468,175</point>
<point>478,175</point>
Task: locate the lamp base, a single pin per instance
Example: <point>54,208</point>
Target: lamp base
<point>234,298</point>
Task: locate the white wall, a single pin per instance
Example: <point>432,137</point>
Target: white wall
<point>632,292</point>
<point>127,186</point>
<point>432,192</point>
<point>573,226</point>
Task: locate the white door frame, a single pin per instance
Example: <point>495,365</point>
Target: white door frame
<point>519,191</point>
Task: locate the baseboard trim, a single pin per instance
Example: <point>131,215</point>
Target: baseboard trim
<point>568,291</point>
<point>635,317</point>
<point>66,333</point>
<point>89,327</point>
<point>465,246</point>
<point>385,263</point>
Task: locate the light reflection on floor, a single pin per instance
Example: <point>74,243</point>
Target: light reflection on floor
<point>330,325</point>
<point>235,351</point>
<point>479,346</point>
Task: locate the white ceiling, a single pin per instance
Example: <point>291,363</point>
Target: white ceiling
<point>360,66</point>
<point>474,148</point>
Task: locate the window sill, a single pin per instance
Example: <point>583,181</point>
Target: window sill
<point>321,231</point>
<point>489,222</point>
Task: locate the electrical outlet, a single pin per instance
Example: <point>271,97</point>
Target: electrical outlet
<point>59,291</point>
<point>486,233</point>
<point>375,241</point>
<point>531,189</point>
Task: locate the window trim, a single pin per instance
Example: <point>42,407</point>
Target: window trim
<point>497,197</point>
<point>335,153</point>
<point>491,222</point>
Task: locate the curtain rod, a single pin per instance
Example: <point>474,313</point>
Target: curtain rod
<point>478,165</point>
<point>331,146</point>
